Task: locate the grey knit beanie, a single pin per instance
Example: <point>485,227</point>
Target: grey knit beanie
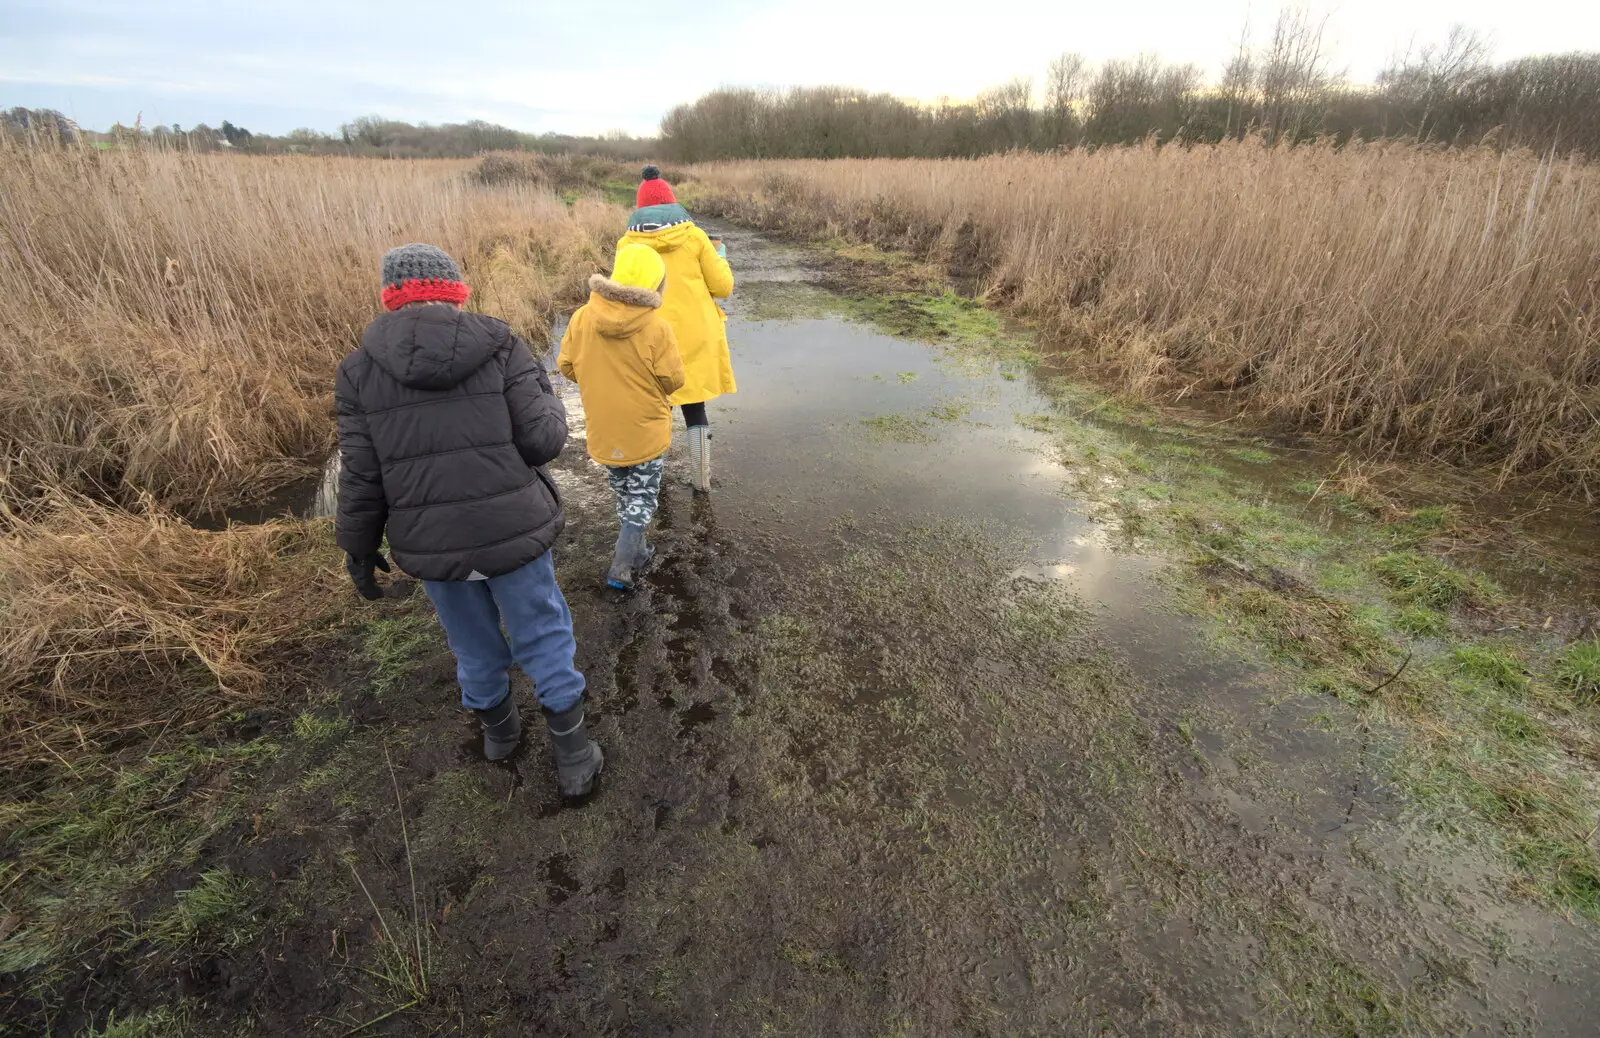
<point>418,262</point>
<point>419,273</point>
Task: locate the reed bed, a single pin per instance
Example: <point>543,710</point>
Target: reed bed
<point>114,623</point>
<point>169,328</point>
<point>170,322</point>
<point>1412,299</point>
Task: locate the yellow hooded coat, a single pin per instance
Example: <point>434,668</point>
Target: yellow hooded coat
<point>624,358</point>
<point>696,276</point>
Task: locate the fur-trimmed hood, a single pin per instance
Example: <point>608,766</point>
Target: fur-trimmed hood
<point>620,310</point>
<point>604,287</point>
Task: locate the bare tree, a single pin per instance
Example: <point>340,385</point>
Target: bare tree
<point>1009,107</point>
<point>1238,86</point>
<point>1065,82</point>
<point>1427,82</point>
<point>1130,99</point>
<point>1293,78</point>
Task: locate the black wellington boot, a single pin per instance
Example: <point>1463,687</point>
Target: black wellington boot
<point>578,759</point>
<point>502,728</point>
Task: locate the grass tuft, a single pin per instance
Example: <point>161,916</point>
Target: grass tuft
<point>164,1022</point>
<point>1495,665</point>
<point>899,428</point>
<point>392,644</point>
<point>1422,622</point>
<point>221,911</point>
<point>1424,580</point>
<point>1577,671</point>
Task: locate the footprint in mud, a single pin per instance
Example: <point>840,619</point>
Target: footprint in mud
<point>660,812</point>
<point>723,670</point>
<point>695,716</point>
<point>622,674</point>
<point>688,625</point>
<point>560,884</point>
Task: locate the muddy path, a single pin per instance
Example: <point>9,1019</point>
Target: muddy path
<point>901,740</point>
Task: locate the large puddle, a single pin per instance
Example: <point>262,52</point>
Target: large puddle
<point>843,440</point>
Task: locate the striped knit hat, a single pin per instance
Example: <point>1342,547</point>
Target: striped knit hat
<point>419,273</point>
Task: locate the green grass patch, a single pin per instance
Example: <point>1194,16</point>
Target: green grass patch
<point>1341,577</point>
<point>619,192</point>
<point>1421,622</point>
<point>1514,725</point>
<point>392,645</point>
<point>1494,665</point>
<point>1048,424</point>
<point>1566,869</point>
<point>163,1022</point>
<point>221,911</point>
<point>1253,455</point>
<point>81,850</point>
<point>1424,524</point>
<point>1499,779</point>
<point>948,319</point>
<point>315,729</point>
<point>1577,671</point>
<point>1424,580</point>
<point>950,410</point>
<point>789,301</point>
<point>899,428</point>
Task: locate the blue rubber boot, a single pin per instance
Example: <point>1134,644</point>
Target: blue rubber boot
<point>632,556</point>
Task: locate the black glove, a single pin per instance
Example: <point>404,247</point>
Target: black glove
<point>360,568</point>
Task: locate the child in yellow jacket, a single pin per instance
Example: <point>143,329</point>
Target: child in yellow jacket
<point>624,358</point>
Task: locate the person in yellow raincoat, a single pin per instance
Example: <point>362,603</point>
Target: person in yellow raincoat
<point>697,276</point>
<point>625,361</point>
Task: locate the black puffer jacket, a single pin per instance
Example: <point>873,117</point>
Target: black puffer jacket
<point>445,419</point>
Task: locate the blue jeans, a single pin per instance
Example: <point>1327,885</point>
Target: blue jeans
<point>537,636</point>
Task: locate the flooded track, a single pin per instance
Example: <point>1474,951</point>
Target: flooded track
<point>901,740</point>
<point>901,744</point>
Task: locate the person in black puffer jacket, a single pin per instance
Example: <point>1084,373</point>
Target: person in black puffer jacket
<point>446,421</point>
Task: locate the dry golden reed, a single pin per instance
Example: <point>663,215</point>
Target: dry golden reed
<point>112,621</point>
<point>1419,300</point>
<point>169,328</point>
<point>170,322</point>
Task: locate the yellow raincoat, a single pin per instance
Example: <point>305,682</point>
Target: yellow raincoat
<point>622,356</point>
<point>696,276</point>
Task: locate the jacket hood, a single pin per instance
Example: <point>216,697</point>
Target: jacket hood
<point>663,239</point>
<point>433,347</point>
<point>619,310</point>
<point>655,217</point>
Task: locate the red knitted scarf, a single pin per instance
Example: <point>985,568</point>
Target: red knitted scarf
<point>424,290</point>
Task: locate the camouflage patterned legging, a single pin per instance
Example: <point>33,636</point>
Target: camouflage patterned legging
<point>636,488</point>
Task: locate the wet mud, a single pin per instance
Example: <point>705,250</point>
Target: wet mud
<point>900,741</point>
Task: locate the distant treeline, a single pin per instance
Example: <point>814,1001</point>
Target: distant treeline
<point>1445,93</point>
<point>369,135</point>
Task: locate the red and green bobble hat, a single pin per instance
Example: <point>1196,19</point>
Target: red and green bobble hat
<point>652,189</point>
<point>419,273</point>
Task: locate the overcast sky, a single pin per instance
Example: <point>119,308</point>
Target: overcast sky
<point>581,68</point>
